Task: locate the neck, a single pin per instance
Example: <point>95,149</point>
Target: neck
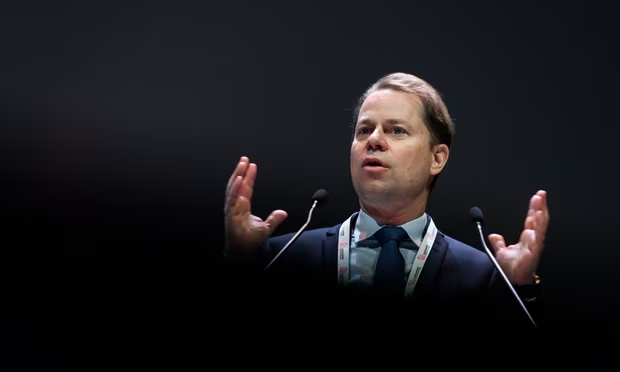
<point>394,215</point>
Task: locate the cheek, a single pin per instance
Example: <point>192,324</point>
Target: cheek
<point>355,153</point>
<point>418,164</point>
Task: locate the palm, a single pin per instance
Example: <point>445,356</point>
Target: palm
<point>245,231</point>
<point>520,260</point>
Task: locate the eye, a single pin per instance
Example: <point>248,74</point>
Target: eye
<point>398,131</point>
<point>363,131</point>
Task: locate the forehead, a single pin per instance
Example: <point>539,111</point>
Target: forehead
<point>390,104</point>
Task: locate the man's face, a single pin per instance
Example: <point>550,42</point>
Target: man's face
<point>390,130</point>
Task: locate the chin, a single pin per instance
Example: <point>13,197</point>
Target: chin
<point>374,193</point>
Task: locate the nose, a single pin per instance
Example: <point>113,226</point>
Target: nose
<point>376,141</point>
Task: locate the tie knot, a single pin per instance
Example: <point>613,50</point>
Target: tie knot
<point>390,233</point>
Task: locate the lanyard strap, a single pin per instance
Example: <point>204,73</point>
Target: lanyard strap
<point>344,245</point>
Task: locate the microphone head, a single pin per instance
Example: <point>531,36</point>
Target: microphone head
<point>320,196</point>
<point>476,214</point>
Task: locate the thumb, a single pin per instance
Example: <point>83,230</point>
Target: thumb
<point>497,242</point>
<point>275,219</point>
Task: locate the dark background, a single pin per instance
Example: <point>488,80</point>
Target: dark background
<point>121,123</point>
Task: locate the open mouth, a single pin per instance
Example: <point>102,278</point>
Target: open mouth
<point>373,163</point>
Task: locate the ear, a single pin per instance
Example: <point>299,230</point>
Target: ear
<point>440,155</point>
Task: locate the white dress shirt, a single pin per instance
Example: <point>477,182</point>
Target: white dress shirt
<point>365,249</point>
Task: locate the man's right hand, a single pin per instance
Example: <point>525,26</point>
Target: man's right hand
<point>244,231</point>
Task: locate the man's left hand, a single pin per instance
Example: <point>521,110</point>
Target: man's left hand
<point>519,261</point>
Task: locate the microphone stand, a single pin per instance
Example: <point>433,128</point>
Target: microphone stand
<point>296,235</point>
<point>502,273</point>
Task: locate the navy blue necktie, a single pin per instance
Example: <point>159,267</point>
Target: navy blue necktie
<point>390,269</point>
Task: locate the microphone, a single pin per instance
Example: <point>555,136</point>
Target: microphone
<point>476,215</point>
<point>319,197</point>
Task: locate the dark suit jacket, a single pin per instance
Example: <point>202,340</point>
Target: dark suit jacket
<point>458,282</point>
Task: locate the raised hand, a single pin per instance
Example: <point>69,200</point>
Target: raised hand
<point>244,231</point>
<point>519,261</point>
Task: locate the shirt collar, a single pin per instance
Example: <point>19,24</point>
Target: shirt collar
<point>366,226</point>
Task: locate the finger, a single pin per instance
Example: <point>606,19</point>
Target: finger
<point>543,195</point>
<point>544,206</point>
<point>540,227</point>
<point>538,207</point>
<point>528,241</point>
<point>530,220</point>
<point>497,242</point>
<point>240,170</point>
<point>537,204</point>
<point>233,194</point>
<point>275,219</point>
<point>249,180</point>
<point>539,201</point>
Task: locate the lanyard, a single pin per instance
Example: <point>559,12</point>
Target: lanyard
<point>344,245</point>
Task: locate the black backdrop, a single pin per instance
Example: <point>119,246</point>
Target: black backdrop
<point>123,121</point>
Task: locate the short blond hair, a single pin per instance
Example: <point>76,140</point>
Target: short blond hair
<point>435,115</point>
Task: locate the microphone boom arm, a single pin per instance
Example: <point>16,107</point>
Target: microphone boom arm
<point>296,235</point>
<point>502,274</point>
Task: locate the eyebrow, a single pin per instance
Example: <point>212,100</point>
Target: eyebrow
<point>388,121</point>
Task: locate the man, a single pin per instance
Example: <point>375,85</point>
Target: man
<point>401,143</point>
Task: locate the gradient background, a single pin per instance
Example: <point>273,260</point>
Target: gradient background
<point>121,123</point>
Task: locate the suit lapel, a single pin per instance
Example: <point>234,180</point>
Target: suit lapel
<point>432,267</point>
<point>330,249</point>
